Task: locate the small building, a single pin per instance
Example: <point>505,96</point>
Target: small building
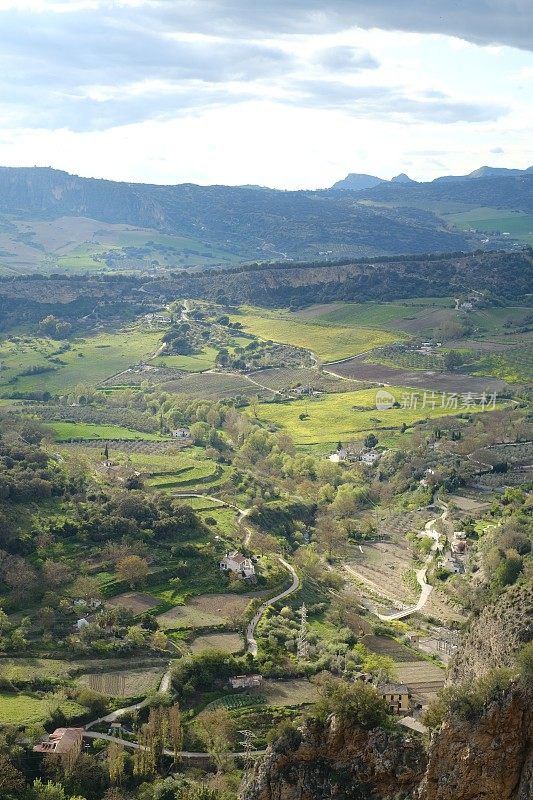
<point>246,681</point>
<point>240,565</point>
<point>351,452</point>
<point>300,391</point>
<point>82,623</point>
<point>397,697</point>
<point>63,742</point>
<point>371,457</point>
<point>453,565</point>
<point>181,433</point>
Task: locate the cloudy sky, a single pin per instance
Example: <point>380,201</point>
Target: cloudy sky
<point>284,93</point>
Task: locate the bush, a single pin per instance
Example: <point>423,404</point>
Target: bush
<point>358,703</point>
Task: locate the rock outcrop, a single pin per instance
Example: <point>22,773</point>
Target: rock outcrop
<point>495,635</point>
<point>487,758</point>
<point>337,760</point>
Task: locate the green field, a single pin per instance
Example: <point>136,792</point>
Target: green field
<point>513,366</point>
<point>198,362</point>
<point>88,361</point>
<point>342,417</point>
<point>329,342</point>
<point>27,709</point>
<point>371,315</point>
<point>495,220</point>
<point>64,431</point>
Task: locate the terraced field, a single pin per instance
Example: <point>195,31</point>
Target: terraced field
<point>207,611</point>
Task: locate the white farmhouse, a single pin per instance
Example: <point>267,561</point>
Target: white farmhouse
<point>371,458</point>
<point>181,433</point>
<point>235,562</point>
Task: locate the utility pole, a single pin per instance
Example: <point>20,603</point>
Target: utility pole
<point>303,644</point>
<point>247,744</point>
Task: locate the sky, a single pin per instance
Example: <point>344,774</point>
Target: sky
<point>292,94</point>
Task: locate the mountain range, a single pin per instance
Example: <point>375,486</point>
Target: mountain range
<point>356,182</point>
<point>51,221</point>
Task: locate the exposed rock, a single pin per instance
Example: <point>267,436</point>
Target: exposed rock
<point>495,636</point>
<point>337,760</point>
<point>488,758</point>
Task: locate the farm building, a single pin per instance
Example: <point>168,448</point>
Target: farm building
<point>82,623</point>
<point>452,564</point>
<point>397,696</point>
<point>351,452</point>
<point>63,742</point>
<point>235,562</point>
<point>181,433</point>
<point>245,681</point>
<point>371,457</point>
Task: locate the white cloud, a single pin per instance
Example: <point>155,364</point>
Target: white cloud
<point>289,95</point>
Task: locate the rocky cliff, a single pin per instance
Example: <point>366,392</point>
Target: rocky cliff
<point>487,758</point>
<point>494,637</point>
<point>336,760</point>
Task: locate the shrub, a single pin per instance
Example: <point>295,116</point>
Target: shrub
<point>357,703</point>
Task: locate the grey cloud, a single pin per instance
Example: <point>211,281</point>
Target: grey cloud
<point>384,101</point>
<point>507,22</point>
<point>346,59</point>
<point>49,61</point>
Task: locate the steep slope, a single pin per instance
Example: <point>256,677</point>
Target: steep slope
<point>495,636</point>
<point>252,222</point>
<point>487,758</point>
<point>336,760</point>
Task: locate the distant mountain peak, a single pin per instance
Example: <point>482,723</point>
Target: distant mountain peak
<point>357,181</point>
<point>402,178</point>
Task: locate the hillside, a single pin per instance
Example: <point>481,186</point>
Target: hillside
<point>201,224</point>
<point>508,191</point>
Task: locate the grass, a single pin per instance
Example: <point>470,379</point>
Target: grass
<point>341,417</point>
<point>26,709</point>
<point>199,362</point>
<point>369,314</point>
<point>63,431</point>
<point>513,366</point>
<point>329,342</point>
<point>494,220</point>
<point>137,682</point>
<point>89,361</point>
<point>228,642</point>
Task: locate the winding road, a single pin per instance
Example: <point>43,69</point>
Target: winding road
<point>421,575</point>
<point>166,680</point>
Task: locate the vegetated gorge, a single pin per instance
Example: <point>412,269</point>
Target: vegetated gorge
<point>265,530</point>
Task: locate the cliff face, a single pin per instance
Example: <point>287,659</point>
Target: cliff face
<point>338,761</point>
<point>495,636</point>
<point>490,758</point>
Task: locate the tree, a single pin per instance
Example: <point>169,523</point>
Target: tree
<point>132,569</point>
<point>330,537</point>
<point>452,360</point>
<point>116,760</point>
<point>371,440</point>
<point>216,729</point>
<point>12,781</point>
<point>357,703</point>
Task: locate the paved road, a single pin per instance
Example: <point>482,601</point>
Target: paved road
<point>181,754</point>
<point>251,644</point>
